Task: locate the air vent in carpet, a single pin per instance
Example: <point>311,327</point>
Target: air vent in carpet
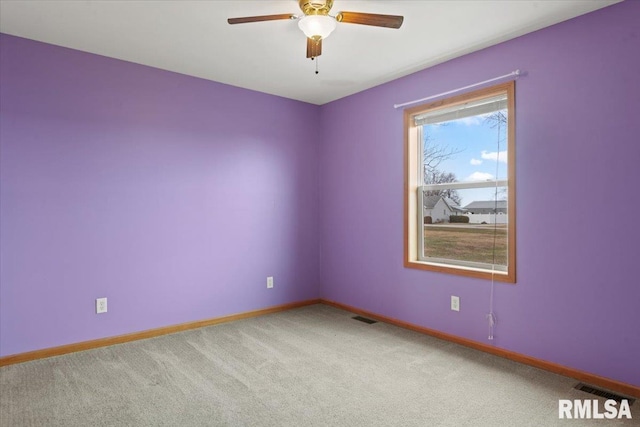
<point>602,393</point>
<point>365,320</point>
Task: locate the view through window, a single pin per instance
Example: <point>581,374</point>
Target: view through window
<point>462,164</point>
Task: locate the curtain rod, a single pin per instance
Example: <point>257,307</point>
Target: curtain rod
<point>513,73</point>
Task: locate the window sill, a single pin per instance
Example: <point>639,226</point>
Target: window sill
<point>498,276</point>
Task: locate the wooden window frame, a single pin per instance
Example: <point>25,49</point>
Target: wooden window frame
<point>411,221</point>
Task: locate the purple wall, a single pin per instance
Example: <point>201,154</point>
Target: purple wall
<point>174,197</point>
<point>577,300</point>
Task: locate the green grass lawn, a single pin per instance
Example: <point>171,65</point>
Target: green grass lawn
<point>467,244</point>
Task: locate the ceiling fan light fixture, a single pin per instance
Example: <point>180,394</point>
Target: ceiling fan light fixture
<point>317,26</point>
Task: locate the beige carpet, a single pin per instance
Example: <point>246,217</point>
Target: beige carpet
<point>312,366</point>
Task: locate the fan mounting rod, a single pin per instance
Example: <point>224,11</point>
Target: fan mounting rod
<point>315,7</point>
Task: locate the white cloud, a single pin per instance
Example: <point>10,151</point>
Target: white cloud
<point>476,162</point>
<point>479,176</point>
<point>493,155</point>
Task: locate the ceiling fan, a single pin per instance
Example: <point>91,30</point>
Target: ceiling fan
<point>317,24</point>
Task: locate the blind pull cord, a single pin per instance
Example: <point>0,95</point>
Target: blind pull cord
<point>491,317</point>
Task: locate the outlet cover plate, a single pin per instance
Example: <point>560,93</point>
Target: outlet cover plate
<point>455,303</point>
<point>101,305</point>
<point>270,282</point>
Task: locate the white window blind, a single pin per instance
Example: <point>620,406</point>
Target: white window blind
<point>460,111</point>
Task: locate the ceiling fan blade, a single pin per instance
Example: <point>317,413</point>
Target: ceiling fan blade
<point>389,21</point>
<point>314,48</point>
<point>247,19</point>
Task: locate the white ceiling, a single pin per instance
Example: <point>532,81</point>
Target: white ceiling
<point>193,37</point>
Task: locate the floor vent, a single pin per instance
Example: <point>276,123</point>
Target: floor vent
<point>602,393</point>
<point>365,320</point>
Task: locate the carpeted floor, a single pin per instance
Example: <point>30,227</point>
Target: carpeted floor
<point>313,366</point>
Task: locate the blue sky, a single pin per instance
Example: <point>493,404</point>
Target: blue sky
<point>478,157</point>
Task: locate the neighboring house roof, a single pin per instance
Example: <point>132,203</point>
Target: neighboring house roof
<point>453,205</point>
<point>487,204</point>
<point>429,202</point>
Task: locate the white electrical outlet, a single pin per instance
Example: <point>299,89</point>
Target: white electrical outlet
<point>455,303</point>
<point>101,305</point>
<point>270,282</point>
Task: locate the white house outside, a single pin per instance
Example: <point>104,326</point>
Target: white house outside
<point>479,212</point>
<point>487,212</point>
<point>487,207</point>
<point>500,218</point>
<point>440,208</point>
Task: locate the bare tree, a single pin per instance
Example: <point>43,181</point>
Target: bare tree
<point>439,177</point>
<point>498,119</point>
<point>432,156</point>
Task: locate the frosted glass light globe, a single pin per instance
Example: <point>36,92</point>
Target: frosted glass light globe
<point>314,26</point>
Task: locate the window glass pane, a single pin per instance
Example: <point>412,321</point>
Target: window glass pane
<point>467,233</point>
<point>468,149</point>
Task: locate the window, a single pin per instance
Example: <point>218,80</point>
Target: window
<point>460,161</point>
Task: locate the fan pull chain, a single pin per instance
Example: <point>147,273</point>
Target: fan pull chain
<point>316,58</point>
